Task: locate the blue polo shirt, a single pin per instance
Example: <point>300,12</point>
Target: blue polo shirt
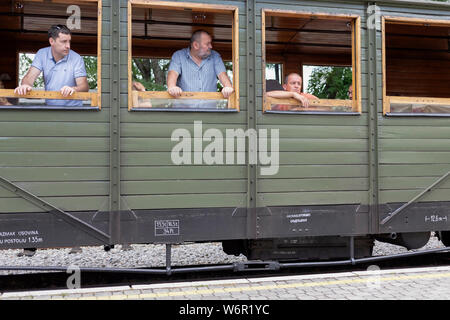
<point>60,74</point>
<point>193,77</point>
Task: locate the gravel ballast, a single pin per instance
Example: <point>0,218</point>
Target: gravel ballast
<point>153,255</point>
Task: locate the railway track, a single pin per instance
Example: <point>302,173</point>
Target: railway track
<point>53,278</point>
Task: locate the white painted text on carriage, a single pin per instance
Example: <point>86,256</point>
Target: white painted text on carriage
<point>230,149</point>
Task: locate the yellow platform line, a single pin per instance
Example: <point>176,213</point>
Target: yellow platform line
<point>264,287</point>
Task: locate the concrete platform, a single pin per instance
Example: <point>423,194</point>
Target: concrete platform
<point>374,284</point>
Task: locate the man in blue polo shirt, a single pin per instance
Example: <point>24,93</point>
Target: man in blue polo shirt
<point>63,69</point>
<point>197,68</point>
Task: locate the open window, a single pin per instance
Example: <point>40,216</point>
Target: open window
<point>24,28</point>
<point>157,29</point>
<point>416,60</point>
<point>329,45</point>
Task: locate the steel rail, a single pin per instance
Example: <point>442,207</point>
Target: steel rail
<point>238,266</point>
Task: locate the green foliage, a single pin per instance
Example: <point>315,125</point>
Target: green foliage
<point>229,68</point>
<point>152,73</point>
<point>25,61</point>
<point>90,63</point>
<point>330,82</point>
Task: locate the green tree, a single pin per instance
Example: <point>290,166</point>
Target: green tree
<point>25,61</point>
<point>330,82</point>
<point>229,69</point>
<point>90,63</point>
<point>151,73</point>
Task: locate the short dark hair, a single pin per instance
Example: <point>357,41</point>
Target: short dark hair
<point>56,29</point>
<point>197,34</point>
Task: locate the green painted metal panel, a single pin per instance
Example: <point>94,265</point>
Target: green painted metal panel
<point>313,198</point>
<point>11,205</point>
<point>319,171</point>
<point>41,144</point>
<point>413,121</point>
<point>184,186</point>
<point>68,189</point>
<point>300,120</point>
<point>181,117</point>
<point>319,184</point>
<point>164,158</point>
<point>52,129</point>
<point>319,153</point>
<point>186,201</point>
<point>286,144</point>
<point>165,130</point>
<point>407,195</point>
<point>332,131</point>
<point>18,174</point>
<point>55,116</point>
<point>414,170</point>
<point>53,159</point>
<point>183,172</point>
<point>412,157</point>
<point>414,144</point>
<point>411,183</point>
<point>413,132</point>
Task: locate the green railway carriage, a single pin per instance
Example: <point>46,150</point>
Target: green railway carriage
<point>267,177</point>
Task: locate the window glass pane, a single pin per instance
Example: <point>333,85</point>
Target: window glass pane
<point>420,108</point>
<point>156,103</point>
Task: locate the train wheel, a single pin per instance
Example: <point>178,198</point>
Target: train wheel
<point>444,236</point>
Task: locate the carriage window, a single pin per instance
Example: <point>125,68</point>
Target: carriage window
<point>321,58</point>
<point>166,73</point>
<point>329,82</point>
<point>416,60</point>
<point>72,69</point>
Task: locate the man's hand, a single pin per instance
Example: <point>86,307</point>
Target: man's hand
<point>175,91</point>
<point>227,91</point>
<point>23,89</point>
<point>302,99</point>
<point>138,86</point>
<point>67,91</point>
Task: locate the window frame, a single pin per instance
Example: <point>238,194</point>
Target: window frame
<point>94,97</point>
<point>133,95</point>
<point>405,99</point>
<point>356,102</point>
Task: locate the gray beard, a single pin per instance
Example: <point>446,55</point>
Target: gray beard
<point>204,56</point>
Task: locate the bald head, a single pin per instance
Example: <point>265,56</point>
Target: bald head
<point>293,82</point>
<point>201,44</point>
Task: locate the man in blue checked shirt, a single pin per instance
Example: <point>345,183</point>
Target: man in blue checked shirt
<point>63,69</point>
<point>197,68</point>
